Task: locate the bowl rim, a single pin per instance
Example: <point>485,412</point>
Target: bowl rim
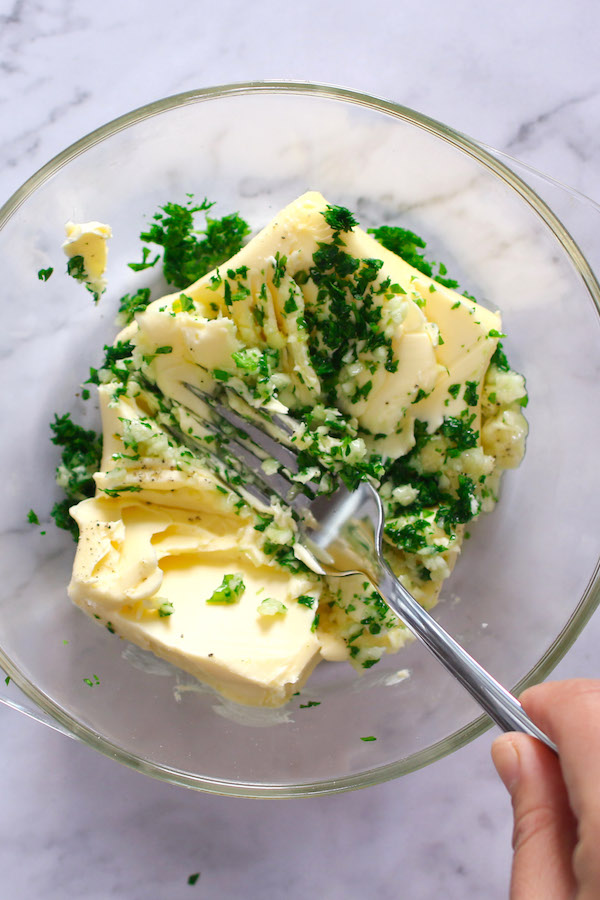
<point>591,596</point>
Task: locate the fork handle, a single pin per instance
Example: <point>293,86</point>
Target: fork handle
<point>498,703</point>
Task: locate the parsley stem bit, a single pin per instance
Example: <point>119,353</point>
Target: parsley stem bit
<point>341,533</point>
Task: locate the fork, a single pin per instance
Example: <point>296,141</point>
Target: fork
<point>341,533</point>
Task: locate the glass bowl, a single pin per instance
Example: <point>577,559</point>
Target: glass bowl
<point>527,581</point>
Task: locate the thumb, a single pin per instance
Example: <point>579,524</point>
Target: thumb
<point>545,830</point>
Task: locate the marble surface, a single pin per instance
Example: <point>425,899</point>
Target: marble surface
<point>521,77</point>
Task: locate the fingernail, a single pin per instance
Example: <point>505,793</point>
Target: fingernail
<point>505,757</point>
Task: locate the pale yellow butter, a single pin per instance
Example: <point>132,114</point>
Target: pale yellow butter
<point>134,556</point>
<point>89,240</point>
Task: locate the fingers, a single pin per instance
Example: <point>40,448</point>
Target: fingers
<point>545,830</point>
<point>569,711</point>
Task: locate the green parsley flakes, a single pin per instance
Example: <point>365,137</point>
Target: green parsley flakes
<point>187,257</point>
<point>369,738</point>
<point>471,395</point>
<point>248,359</point>
<point>183,304</point>
<point>193,878</point>
<point>80,458</point>
<point>76,268</point>
<point>499,359</point>
<point>130,304</point>
<point>229,591</point>
<point>44,274</point>
<point>339,218</point>
<point>144,264</point>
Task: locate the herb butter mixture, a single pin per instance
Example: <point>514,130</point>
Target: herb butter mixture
<point>389,373</point>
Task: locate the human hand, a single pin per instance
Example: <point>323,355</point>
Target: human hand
<point>556,800</point>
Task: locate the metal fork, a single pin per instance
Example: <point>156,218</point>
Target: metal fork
<point>342,534</point>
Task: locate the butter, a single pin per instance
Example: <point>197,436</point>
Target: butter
<point>88,241</point>
<point>166,524</point>
<point>133,556</point>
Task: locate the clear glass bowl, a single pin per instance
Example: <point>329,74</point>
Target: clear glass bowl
<point>527,581</point>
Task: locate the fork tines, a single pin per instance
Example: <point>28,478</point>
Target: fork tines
<point>255,453</point>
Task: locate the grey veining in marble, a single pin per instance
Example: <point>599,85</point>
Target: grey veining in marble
<point>522,77</point>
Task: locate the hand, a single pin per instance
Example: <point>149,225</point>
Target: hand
<point>556,800</point>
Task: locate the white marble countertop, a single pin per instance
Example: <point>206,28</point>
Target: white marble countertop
<point>521,77</point>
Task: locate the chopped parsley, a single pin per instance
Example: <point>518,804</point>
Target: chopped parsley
<point>369,738</point>
<point>116,365</point>
<point>408,245</point>
<point>80,458</point>
<point>122,489</point>
<point>339,218</point>
<point>183,304</point>
<point>144,264</point>
<point>279,267</point>
<point>33,518</point>
<point>499,359</point>
<point>76,268</point>
<point>44,274</point>
<point>187,257</point>
<point>248,359</point>
<point>409,537</point>
<point>421,395</point>
<point>361,393</point>
<point>193,878</point>
<point>229,591</point>
<point>131,304</point>
<point>459,433</point>
<point>471,396</point>
<point>310,704</point>
<point>290,305</point>
<point>461,508</point>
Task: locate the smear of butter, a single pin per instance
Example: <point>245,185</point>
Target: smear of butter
<point>87,242</point>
